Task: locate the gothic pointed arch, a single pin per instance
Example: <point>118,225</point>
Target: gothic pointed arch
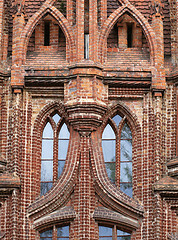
<point>60,193</point>
<point>33,21</point>
<point>108,193</point>
<point>133,12</point>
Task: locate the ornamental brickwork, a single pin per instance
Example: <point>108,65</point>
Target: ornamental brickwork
<point>82,64</point>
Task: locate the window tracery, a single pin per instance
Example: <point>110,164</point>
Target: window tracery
<point>117,151</point>
<point>55,140</point>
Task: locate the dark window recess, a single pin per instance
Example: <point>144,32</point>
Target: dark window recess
<point>129,35</point>
<point>86,46</point>
<point>46,33</point>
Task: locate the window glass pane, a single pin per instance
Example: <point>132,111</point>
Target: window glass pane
<point>60,167</point>
<point>45,187</point>
<point>64,132</point>
<point>126,172</point>
<point>48,131</point>
<point>63,232</point>
<point>56,118</point>
<point>123,235</point>
<point>47,233</point>
<point>111,170</point>
<point>47,149</point>
<point>108,133</point>
<point>62,149</point>
<point>105,231</point>
<point>46,171</point>
<point>109,150</point>
<point>126,188</point>
<point>126,132</point>
<point>126,150</point>
<point>117,119</point>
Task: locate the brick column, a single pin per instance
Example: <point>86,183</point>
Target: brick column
<point>122,35</point>
<point>158,80</point>
<point>1,26</point>
<point>70,11</point>
<point>17,78</point>
<point>158,162</point>
<point>103,11</point>
<point>174,30</point>
<point>80,30</point>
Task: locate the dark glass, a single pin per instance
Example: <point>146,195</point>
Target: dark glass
<point>46,33</point>
<point>111,170</point>
<point>117,119</point>
<point>45,187</point>
<point>126,132</point>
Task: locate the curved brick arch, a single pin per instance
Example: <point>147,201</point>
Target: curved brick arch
<point>113,18</point>
<point>63,188</point>
<point>31,24</point>
<point>108,193</point>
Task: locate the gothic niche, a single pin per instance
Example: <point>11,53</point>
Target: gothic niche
<point>47,44</point>
<point>126,43</point>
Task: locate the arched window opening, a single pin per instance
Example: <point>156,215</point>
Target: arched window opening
<point>63,142</point>
<point>46,235</point>
<point>109,151</point>
<point>63,233</point>
<point>110,233</point>
<point>47,159</point>
<point>60,232</point>
<point>55,141</point>
<point>117,152</point>
<point>126,160</point>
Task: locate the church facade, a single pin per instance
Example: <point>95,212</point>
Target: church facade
<point>88,119</point>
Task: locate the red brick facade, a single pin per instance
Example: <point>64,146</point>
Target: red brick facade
<point>131,71</point>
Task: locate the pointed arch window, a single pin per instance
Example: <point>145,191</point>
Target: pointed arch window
<point>55,141</point>
<point>117,151</point>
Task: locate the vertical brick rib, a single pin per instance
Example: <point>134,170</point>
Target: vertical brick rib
<point>84,191</point>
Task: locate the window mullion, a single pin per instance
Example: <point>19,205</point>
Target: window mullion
<point>54,233</point>
<point>114,233</point>
<point>55,156</point>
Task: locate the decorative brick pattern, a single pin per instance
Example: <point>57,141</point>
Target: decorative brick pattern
<point>131,71</point>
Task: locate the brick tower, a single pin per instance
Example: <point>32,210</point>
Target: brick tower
<point>88,119</point>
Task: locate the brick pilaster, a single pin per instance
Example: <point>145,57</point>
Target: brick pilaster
<point>1,26</point>
<point>93,30</point>
<point>18,25</point>
<point>80,30</point>
<point>158,80</point>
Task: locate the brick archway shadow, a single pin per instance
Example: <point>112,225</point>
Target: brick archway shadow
<point>113,18</point>
<point>31,24</point>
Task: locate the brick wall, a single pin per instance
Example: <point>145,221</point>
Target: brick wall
<point>135,82</point>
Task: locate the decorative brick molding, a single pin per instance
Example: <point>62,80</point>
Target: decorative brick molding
<point>104,215</point>
<point>109,23</point>
<point>63,215</point>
